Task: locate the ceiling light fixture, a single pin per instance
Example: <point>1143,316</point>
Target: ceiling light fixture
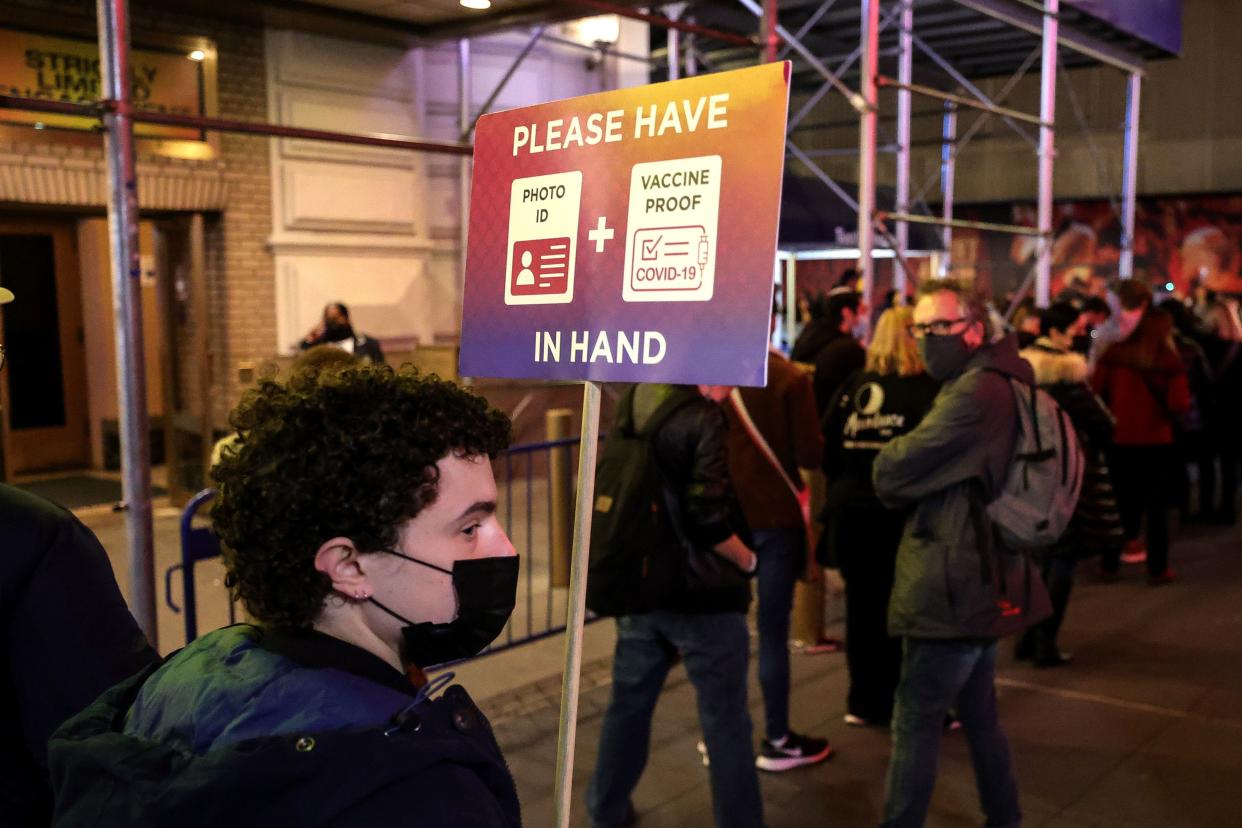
<point>601,31</point>
<point>477,5</point>
<point>197,55</point>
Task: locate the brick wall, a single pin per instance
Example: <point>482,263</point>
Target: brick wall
<point>239,269</point>
<point>240,274</point>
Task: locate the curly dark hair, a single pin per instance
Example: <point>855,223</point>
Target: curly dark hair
<point>349,452</point>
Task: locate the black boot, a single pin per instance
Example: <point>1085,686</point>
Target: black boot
<point>1024,650</point>
<point>1046,652</point>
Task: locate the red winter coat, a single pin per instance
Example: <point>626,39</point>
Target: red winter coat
<point>1144,383</point>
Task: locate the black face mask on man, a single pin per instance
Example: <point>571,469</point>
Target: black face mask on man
<point>486,593</point>
<point>945,355</point>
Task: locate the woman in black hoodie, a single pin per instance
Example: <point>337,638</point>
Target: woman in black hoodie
<point>886,399</point>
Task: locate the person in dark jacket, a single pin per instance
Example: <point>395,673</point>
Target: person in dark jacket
<point>832,317</point>
<point>357,514</point>
<point>884,401</point>
<point>336,330</point>
<point>1143,382</point>
<point>947,600</point>
<point>842,354</point>
<point>1195,446</point>
<point>773,433</point>
<point>68,636</point>
<point>1063,374</point>
<point>815,331</point>
<point>705,627</point>
<point>1224,350</point>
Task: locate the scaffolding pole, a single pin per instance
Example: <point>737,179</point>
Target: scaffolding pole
<point>691,62</point>
<point>807,26</point>
<point>948,168</point>
<point>965,83</point>
<point>535,37</point>
<point>673,52</point>
<point>868,116</point>
<point>771,40</point>
<point>791,300</point>
<point>204,124</point>
<point>986,226</point>
<point>1047,152</point>
<point>905,75</point>
<point>961,100</point>
<point>840,70</point>
<point>807,55</point>
<point>1129,179</point>
<point>979,121</point>
<point>131,374</point>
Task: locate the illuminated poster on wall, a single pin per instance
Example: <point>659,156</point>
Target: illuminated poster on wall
<point>1181,241</point>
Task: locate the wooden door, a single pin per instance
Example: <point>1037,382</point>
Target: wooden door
<point>43,384</point>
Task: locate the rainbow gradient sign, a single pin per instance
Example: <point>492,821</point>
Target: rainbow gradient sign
<point>628,236</point>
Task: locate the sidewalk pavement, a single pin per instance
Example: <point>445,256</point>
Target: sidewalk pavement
<point>1144,728</point>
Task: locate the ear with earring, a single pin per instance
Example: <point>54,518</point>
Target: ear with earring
<point>361,596</point>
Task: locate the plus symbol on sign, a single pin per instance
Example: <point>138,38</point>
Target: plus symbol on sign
<point>601,234</point>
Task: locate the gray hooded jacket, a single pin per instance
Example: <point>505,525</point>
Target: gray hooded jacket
<point>954,578</point>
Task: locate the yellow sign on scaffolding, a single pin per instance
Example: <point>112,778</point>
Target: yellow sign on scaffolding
<point>62,69</point>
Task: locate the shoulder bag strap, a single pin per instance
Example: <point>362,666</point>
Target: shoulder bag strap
<point>756,437</point>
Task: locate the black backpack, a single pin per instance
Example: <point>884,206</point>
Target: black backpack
<point>636,550</point>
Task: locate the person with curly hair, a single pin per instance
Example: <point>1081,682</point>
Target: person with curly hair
<point>357,511</point>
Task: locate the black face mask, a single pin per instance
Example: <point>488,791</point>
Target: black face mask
<point>337,332</point>
<point>486,593</point>
<point>944,355</point>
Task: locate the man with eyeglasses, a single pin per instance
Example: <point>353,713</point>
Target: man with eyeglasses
<point>66,633</point>
<point>943,603</point>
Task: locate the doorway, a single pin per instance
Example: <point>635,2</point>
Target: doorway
<point>43,384</point>
<point>180,262</point>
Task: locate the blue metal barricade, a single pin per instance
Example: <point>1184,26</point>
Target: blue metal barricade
<point>197,544</point>
<point>542,606</point>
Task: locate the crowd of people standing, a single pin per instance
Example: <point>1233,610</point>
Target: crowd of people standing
<point>1151,388</point>
<point>919,426</point>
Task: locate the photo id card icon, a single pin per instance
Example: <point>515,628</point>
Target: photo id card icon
<point>543,232</point>
<point>540,267</point>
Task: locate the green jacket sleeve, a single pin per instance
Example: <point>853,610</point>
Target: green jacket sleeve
<point>949,446</point>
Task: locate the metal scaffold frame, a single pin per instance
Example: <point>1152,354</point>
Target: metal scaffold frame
<point>1035,16</point>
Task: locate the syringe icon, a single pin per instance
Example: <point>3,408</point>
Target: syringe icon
<point>702,252</point>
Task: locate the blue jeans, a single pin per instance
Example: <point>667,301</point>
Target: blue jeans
<point>782,558</point>
<point>935,676</point>
<point>714,648</point>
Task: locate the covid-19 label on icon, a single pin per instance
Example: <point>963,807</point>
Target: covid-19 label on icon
<point>670,248</point>
<point>543,231</point>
